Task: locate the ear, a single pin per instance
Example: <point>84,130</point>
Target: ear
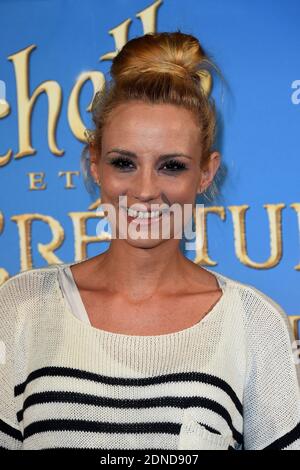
<point>209,171</point>
<point>93,162</point>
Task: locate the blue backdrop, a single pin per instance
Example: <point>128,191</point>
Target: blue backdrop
<point>62,51</point>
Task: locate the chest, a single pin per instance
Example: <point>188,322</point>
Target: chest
<point>151,317</point>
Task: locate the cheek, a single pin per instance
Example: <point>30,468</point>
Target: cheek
<point>112,184</point>
<point>182,191</point>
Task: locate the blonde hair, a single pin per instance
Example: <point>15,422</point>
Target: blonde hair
<point>166,67</point>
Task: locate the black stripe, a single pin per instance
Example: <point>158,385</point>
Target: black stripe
<point>105,427</point>
<point>92,426</point>
<point>132,382</point>
<point>10,431</point>
<point>174,402</point>
<point>285,440</point>
<point>97,426</point>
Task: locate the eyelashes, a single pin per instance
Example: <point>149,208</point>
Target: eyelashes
<point>123,164</point>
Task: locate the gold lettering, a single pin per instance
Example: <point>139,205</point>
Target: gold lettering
<point>120,35</point>
<point>274,216</point>
<point>25,104</point>
<point>36,178</point>
<point>69,180</point>
<point>81,238</point>
<point>4,275</point>
<point>148,17</point>
<point>94,204</point>
<point>295,323</point>
<point>296,207</point>
<point>75,122</point>
<point>4,159</point>
<point>4,111</point>
<point>24,223</point>
<point>202,254</point>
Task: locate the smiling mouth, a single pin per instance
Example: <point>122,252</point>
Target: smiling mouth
<point>144,215</point>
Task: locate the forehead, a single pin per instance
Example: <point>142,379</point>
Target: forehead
<point>138,125</point>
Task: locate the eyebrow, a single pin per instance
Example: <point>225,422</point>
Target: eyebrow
<point>128,153</point>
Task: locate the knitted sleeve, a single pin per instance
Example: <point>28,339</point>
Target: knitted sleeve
<point>272,388</point>
<point>10,432</point>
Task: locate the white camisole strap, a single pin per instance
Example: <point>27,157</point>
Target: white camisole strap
<point>71,293</point>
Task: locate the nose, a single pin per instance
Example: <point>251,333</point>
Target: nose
<point>145,186</point>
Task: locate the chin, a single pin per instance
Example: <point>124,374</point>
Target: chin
<point>144,243</point>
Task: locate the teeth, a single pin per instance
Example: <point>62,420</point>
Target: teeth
<point>143,214</point>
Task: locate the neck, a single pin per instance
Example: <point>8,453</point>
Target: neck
<point>138,272</point>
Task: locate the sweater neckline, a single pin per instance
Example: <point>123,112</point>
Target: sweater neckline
<point>213,312</point>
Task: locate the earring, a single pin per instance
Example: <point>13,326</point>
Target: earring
<point>97,182</point>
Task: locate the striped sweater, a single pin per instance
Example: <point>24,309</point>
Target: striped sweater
<point>230,381</point>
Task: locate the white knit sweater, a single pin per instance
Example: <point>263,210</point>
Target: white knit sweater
<point>228,382</point>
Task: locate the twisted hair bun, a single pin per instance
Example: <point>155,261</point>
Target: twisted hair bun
<point>167,67</point>
<point>175,54</point>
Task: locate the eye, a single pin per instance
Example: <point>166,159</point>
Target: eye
<point>121,163</point>
<point>124,164</point>
<point>175,165</point>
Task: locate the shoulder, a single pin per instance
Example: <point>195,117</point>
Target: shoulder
<point>28,299</point>
<point>28,286</point>
<point>28,275</point>
<point>256,305</point>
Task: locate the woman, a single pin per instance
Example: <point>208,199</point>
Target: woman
<point>139,347</point>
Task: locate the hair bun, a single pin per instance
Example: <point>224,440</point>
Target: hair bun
<point>177,54</point>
